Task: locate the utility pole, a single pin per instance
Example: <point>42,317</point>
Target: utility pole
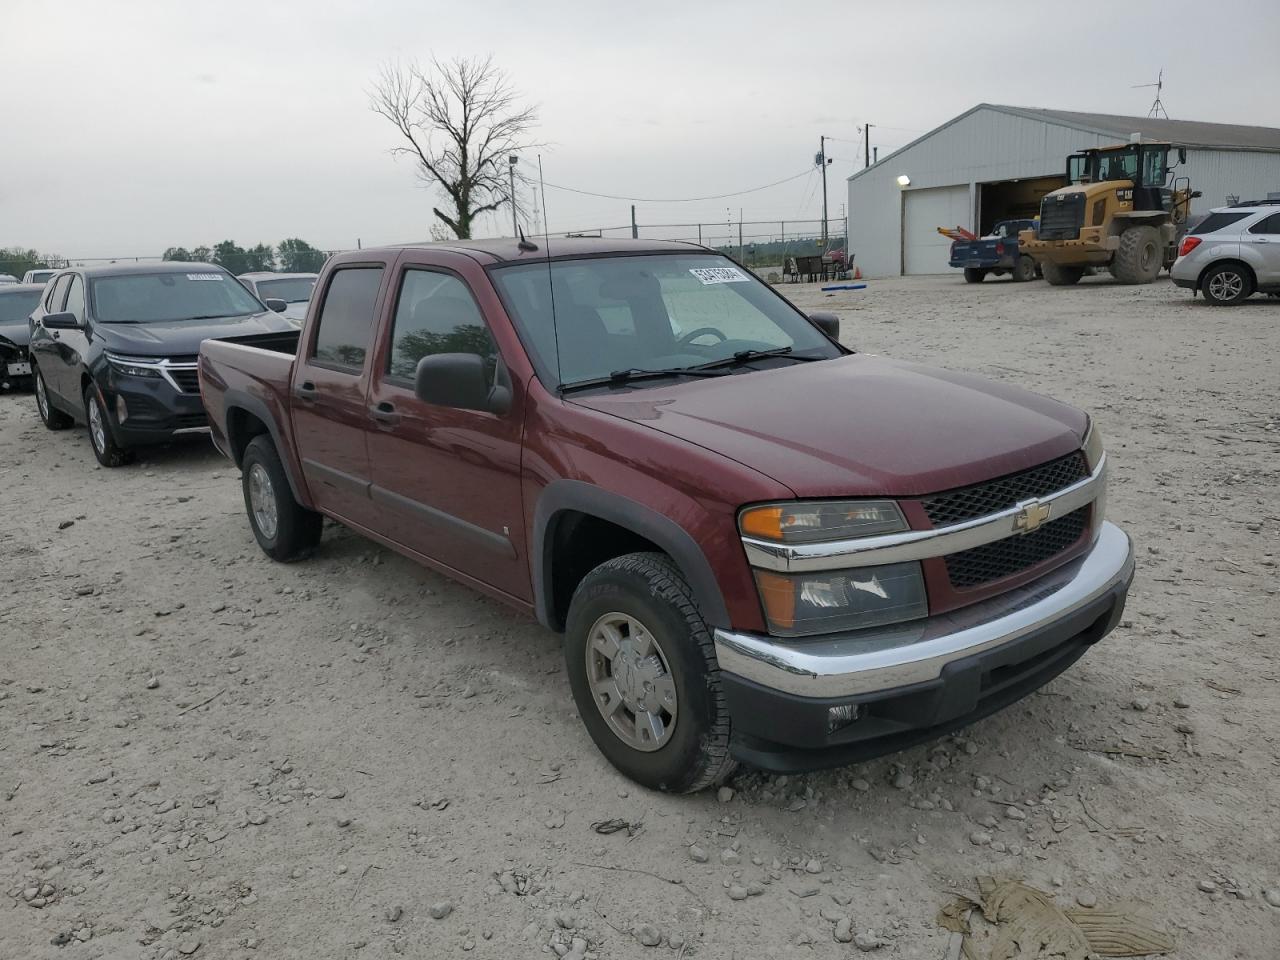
<point>866,145</point>
<point>635,231</point>
<point>822,162</point>
<point>875,154</point>
<point>511,170</point>
<point>739,234</point>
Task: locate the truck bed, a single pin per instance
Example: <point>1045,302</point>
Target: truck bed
<point>256,371</point>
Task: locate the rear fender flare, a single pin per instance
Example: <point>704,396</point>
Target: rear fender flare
<point>238,399</point>
<point>561,496</point>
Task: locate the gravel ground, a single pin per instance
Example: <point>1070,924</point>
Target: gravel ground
<point>206,754</point>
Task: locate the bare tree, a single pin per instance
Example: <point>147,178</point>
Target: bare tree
<point>461,120</point>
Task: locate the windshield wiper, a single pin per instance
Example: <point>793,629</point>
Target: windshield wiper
<point>637,373</point>
<point>746,356</point>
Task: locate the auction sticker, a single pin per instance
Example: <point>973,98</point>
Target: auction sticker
<point>204,276</point>
<point>719,275</point>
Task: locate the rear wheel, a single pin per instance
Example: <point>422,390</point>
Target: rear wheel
<point>50,416</point>
<point>1139,257</point>
<point>974,275</point>
<point>284,529</point>
<point>1061,276</point>
<point>1226,285</point>
<point>105,448</point>
<point>1024,269</point>
<point>643,670</point>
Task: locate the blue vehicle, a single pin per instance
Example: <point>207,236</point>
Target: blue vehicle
<point>996,254</point>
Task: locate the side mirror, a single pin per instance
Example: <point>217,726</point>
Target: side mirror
<point>1182,154</point>
<point>460,380</point>
<point>828,323</point>
<point>279,306</point>
<point>61,321</point>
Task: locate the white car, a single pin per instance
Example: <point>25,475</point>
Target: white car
<point>293,288</point>
<point>1232,254</point>
<point>8,278</point>
<point>41,276</point>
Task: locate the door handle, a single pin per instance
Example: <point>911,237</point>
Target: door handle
<point>1261,240</point>
<point>385,412</point>
<point>305,391</point>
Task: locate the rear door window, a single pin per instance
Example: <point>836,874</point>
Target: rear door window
<point>1269,224</point>
<point>1217,221</point>
<point>346,318</point>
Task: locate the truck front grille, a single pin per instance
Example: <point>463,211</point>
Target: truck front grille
<point>1004,558</point>
<point>984,499</point>
<point>1061,216</point>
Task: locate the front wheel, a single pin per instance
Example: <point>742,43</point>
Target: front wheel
<point>643,670</point>
<point>1061,276</point>
<point>105,448</point>
<point>1227,285</point>
<point>50,416</point>
<point>974,275</point>
<point>285,530</point>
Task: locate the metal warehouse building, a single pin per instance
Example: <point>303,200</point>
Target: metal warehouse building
<point>995,163</point>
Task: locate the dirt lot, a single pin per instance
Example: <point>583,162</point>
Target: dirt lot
<point>205,753</point>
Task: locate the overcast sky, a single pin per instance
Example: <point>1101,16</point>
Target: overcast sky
<point>132,126</point>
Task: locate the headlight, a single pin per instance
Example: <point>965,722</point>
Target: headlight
<point>133,367</point>
<point>811,522</point>
<point>1093,446</point>
<point>798,605</point>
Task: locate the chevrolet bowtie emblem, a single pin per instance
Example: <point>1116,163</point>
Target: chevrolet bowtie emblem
<point>1031,513</point>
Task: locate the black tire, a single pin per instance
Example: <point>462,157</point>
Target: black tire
<point>50,416</point>
<point>1139,257</point>
<point>296,530</point>
<point>649,588</point>
<point>101,439</point>
<point>1061,276</point>
<point>1024,269</point>
<point>974,275</point>
<point>1227,285</point>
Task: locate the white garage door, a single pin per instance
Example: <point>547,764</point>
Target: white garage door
<point>924,211</point>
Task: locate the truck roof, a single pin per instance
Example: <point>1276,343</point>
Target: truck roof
<point>559,248</point>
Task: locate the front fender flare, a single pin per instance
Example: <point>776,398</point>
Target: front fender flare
<point>561,496</point>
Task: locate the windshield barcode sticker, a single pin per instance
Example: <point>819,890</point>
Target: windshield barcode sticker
<point>719,275</point>
<point>204,276</point>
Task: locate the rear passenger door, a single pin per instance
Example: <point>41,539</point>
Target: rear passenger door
<point>1264,239</point>
<point>330,383</point>
<point>44,342</point>
<point>447,479</point>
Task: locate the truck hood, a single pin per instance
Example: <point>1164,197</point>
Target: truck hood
<point>859,425</point>
<point>180,338</point>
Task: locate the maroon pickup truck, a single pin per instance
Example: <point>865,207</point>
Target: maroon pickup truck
<point>759,545</point>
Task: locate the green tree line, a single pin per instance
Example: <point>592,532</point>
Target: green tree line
<point>18,260</point>
<point>289,256</point>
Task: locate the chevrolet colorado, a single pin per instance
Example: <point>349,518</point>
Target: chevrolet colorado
<point>759,545</point>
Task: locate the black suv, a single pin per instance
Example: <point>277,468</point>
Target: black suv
<point>115,347</point>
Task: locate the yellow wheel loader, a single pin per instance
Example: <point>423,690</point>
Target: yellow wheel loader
<point>1121,210</point>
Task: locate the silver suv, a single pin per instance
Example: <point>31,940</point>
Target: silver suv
<point>1232,253</point>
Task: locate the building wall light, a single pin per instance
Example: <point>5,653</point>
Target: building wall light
<point>904,180</point>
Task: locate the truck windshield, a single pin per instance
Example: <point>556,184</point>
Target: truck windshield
<point>15,307</point>
<point>646,313</point>
<point>160,297</point>
<point>291,289</point>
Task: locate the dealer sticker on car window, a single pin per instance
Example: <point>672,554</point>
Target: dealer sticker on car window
<point>719,275</point>
<point>204,276</point>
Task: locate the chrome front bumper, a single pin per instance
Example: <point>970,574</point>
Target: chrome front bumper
<point>874,660</point>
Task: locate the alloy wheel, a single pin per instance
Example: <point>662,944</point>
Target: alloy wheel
<point>97,430</point>
<point>631,682</point>
<point>1226,285</point>
<point>262,500</point>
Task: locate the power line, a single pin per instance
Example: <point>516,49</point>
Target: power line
<point>718,196</point>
